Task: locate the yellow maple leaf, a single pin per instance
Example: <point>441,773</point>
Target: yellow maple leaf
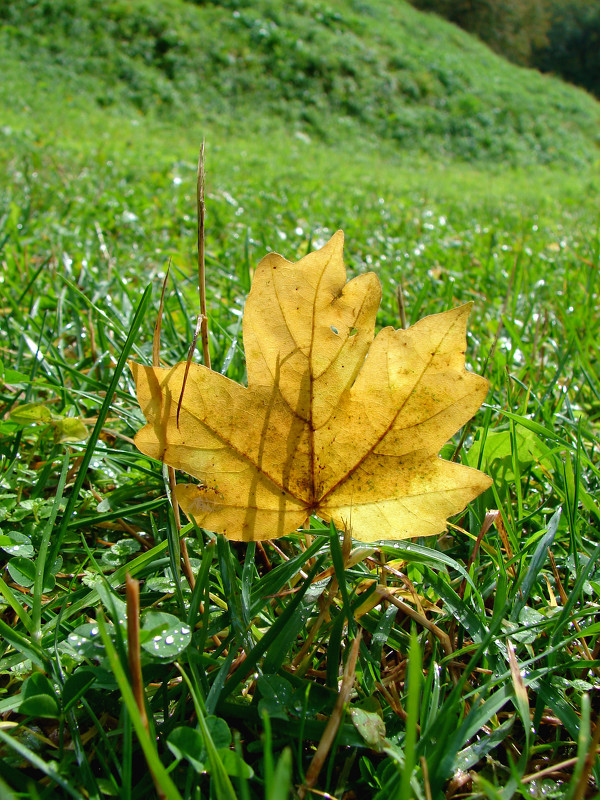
<point>334,422</point>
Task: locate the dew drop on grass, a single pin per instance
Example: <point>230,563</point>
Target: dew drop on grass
<point>81,641</point>
<point>169,636</point>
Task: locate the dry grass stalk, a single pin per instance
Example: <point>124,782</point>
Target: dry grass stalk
<point>334,722</point>
<point>132,589</point>
<point>419,618</point>
<point>201,259</point>
<point>185,559</point>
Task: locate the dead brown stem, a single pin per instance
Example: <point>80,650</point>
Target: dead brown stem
<point>564,599</point>
<point>419,618</point>
<point>185,559</point>
<point>201,259</point>
<point>401,306</point>
<point>132,589</point>
<point>334,721</point>
<point>188,362</point>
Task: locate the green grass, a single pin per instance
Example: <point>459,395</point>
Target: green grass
<point>336,70</point>
<point>96,202</point>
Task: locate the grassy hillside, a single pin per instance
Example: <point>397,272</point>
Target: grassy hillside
<point>369,70</point>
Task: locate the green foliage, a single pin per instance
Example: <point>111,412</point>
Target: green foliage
<point>95,203</point>
<point>573,43</point>
<point>561,37</point>
<point>513,28</point>
<point>511,242</point>
<point>330,70</point>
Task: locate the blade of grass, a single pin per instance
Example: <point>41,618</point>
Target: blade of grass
<point>414,678</point>
<point>201,260</point>
<point>282,777</point>
<point>333,724</point>
<point>115,580</point>
<point>38,763</point>
<point>338,563</point>
<point>224,787</point>
<point>160,774</point>
<point>574,596</point>
<point>274,580</point>
<point>583,750</point>
<point>24,646</point>
<point>238,611</point>
<point>102,415</point>
<point>270,636</point>
<point>40,562</point>
<point>11,598</point>
<point>537,561</point>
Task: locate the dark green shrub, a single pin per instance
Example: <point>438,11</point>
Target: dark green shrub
<point>573,47</point>
<point>512,28</point>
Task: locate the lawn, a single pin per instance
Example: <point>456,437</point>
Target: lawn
<point>470,659</point>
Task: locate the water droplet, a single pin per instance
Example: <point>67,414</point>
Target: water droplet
<point>169,640</point>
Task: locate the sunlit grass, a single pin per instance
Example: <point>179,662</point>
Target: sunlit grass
<point>479,649</point>
<point>80,244</point>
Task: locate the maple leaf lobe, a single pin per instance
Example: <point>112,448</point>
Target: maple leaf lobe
<point>335,421</point>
